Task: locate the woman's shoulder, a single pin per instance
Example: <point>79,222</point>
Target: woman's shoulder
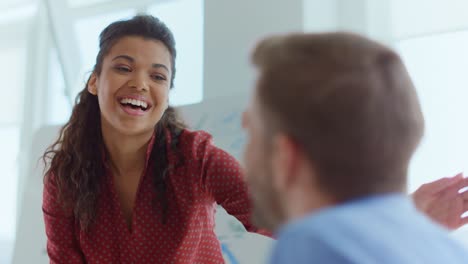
<point>199,145</point>
<point>195,141</point>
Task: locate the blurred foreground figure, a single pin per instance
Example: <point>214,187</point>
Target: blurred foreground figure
<point>332,126</point>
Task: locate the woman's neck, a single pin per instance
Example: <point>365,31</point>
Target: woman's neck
<point>127,154</point>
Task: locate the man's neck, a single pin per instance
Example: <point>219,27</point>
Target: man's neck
<point>304,202</point>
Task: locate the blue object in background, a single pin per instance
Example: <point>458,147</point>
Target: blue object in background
<point>230,256</point>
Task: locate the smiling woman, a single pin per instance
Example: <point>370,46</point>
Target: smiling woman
<point>126,182</point>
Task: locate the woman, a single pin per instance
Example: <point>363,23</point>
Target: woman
<point>126,182</point>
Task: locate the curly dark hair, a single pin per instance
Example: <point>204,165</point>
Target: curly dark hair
<point>74,161</point>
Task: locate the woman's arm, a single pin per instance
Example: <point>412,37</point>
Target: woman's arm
<point>62,245</point>
<point>443,202</point>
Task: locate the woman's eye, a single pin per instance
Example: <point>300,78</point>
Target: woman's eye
<point>158,77</point>
<point>122,69</point>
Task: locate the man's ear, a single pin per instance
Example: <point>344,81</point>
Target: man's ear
<point>284,161</point>
<point>92,84</point>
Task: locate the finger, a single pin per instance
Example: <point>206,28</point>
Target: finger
<point>453,191</point>
<point>463,183</point>
<point>443,183</point>
<point>465,206</point>
<point>464,209</point>
<point>458,177</point>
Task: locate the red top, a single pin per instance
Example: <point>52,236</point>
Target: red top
<point>208,176</point>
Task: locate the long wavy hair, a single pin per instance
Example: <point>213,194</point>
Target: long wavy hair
<point>74,162</point>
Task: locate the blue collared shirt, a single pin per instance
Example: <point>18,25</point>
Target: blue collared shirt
<point>384,229</point>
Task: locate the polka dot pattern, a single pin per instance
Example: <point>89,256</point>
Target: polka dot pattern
<point>209,176</point>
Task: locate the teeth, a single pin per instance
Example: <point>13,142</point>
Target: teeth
<point>134,102</point>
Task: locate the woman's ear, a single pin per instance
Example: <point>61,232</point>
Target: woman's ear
<point>92,84</point>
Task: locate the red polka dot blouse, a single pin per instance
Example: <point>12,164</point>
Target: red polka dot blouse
<point>208,177</point>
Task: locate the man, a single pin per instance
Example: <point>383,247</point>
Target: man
<point>332,127</point>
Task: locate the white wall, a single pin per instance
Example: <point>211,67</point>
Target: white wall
<point>233,27</point>
<point>320,15</point>
<point>231,30</point>
<point>367,17</point>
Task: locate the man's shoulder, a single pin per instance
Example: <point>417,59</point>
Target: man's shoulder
<point>305,242</point>
<point>382,230</point>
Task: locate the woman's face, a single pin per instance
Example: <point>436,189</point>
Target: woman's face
<point>133,86</point>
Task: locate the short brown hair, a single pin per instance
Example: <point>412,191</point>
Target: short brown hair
<point>348,102</point>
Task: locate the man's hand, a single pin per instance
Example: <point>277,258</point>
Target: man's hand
<point>442,201</point>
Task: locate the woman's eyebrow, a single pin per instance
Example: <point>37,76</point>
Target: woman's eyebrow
<point>126,57</point>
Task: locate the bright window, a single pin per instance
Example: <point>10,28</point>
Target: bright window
<point>59,108</point>
<point>9,140</point>
<point>88,30</point>
<point>185,19</point>
<point>81,3</point>
<point>4,4</point>
<point>87,33</point>
<point>438,66</point>
<point>12,74</point>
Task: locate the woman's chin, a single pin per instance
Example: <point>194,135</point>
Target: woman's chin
<point>135,129</point>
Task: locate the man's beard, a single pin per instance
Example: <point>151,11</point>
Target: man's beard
<point>267,212</point>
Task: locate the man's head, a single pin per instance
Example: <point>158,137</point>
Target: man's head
<point>334,117</point>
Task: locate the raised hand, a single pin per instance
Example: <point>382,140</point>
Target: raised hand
<point>442,201</point>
